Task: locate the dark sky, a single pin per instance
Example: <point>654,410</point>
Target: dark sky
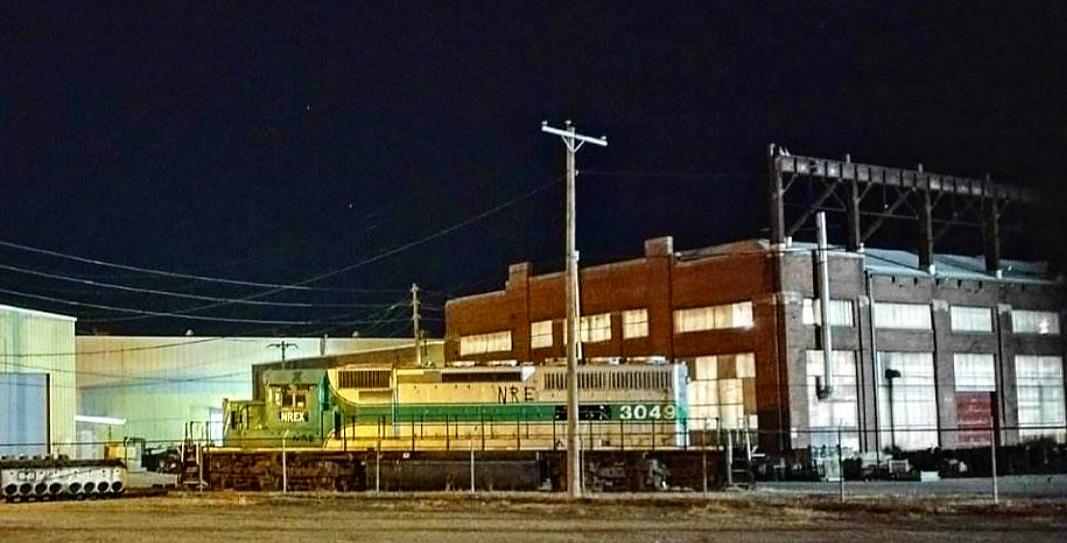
<point>275,144</point>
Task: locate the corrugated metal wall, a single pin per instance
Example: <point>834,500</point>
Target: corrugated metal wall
<point>159,383</point>
<point>42,343</point>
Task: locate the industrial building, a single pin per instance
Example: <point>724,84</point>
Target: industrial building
<point>37,376</point>
<point>153,386</point>
<point>920,339</point>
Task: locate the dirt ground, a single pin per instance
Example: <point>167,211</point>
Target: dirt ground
<point>265,518</point>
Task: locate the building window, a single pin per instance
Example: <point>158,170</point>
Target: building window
<point>1035,322</point>
<point>540,334</point>
<point>907,399</point>
<point>971,319</point>
<point>975,372</point>
<point>840,312</point>
<point>722,392</point>
<point>840,409</point>
<point>485,343</point>
<point>903,316</point>
<point>596,328</point>
<point>634,323</point>
<point>737,315</point>
<point>1039,383</point>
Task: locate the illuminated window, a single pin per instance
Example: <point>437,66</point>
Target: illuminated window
<point>738,315</point>
<point>975,372</point>
<point>596,328</point>
<point>840,409</point>
<point>903,316</point>
<point>540,334</point>
<point>722,392</point>
<point>485,343</point>
<point>634,323</point>
<point>1035,322</point>
<point>1039,384</point>
<point>971,319</point>
<point>907,399</point>
<point>840,312</point>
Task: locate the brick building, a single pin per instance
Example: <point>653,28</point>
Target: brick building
<point>744,316</point>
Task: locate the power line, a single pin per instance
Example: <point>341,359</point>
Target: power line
<point>664,175</point>
<point>179,275</point>
<point>176,294</point>
<point>164,313</point>
<point>380,256</point>
<point>382,318</point>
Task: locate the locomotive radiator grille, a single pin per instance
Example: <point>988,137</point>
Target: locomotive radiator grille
<point>363,378</point>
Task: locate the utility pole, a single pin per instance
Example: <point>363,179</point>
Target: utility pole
<point>572,141</point>
<point>283,346</point>
<point>415,324</point>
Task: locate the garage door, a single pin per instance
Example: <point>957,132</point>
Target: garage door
<point>23,414</point>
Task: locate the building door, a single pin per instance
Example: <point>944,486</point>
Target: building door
<point>23,414</point>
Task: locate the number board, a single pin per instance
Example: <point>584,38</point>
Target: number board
<point>292,416</point>
<point>638,411</point>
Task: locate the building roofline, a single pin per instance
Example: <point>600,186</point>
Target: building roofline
<point>36,313</point>
<point>757,246</point>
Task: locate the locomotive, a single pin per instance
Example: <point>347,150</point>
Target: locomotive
<point>357,427</point>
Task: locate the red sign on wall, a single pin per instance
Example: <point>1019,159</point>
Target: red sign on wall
<point>974,410</point>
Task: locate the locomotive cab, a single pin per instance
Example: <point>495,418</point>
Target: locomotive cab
<point>292,409</point>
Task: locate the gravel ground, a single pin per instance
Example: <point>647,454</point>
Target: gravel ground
<point>264,518</point>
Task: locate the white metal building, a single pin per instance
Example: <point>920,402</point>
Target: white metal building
<point>37,382</point>
<point>157,384</point>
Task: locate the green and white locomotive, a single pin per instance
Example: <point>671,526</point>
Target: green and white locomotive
<point>337,424</point>
<point>502,408</point>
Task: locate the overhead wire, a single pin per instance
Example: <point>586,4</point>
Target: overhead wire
<point>205,278</point>
<point>149,380</point>
<point>177,344</point>
<point>168,293</point>
<point>160,313</point>
<point>375,258</point>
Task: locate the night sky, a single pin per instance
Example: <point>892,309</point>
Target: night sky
<point>278,144</point>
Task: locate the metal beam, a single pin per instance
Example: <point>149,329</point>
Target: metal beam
<point>926,231</point>
<point>823,196</point>
<point>777,197</point>
<point>853,221</point>
<point>867,173</point>
<point>991,232</point>
<point>903,197</point>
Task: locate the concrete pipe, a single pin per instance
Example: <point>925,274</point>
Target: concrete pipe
<point>117,487</point>
<point>74,489</point>
<point>55,488</point>
<point>90,487</point>
<point>11,490</point>
<point>40,489</point>
<point>103,487</point>
<point>25,489</point>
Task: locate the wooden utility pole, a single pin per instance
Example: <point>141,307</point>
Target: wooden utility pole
<point>415,324</point>
<point>283,346</point>
<point>572,141</point>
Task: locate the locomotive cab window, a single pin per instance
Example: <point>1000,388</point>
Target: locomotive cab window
<point>290,396</point>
